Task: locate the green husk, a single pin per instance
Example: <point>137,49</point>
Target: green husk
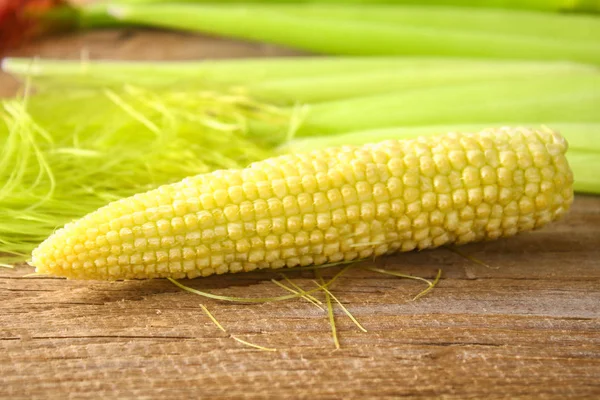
<point>295,79</point>
<point>541,5</point>
<point>522,24</point>
<point>586,170</point>
<point>330,29</point>
<point>65,154</point>
<point>398,80</point>
<point>535,100</point>
<point>167,74</point>
<point>97,15</point>
<point>581,136</point>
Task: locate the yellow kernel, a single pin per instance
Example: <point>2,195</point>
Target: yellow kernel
<point>309,222</point>
<point>261,209</point>
<point>505,177</point>
<point>470,176</point>
<point>288,252</point>
<point>413,209</point>
<point>441,184</point>
<point>250,191</point>
<point>191,238</point>
<point>335,198</point>
<point>490,194</point>
<point>457,159</point>
<point>428,167</point>
<point>323,221</point>
<point>322,181</point>
<point>508,160</point>
<point>316,237</point>
<point>191,222</point>
<point>505,196</point>
<point>367,211</point>
<point>113,237</point>
<point>263,227</point>
<point>305,203</point>
<point>524,160</point>
<point>320,202</point>
<point>207,201</point>
<point>178,225</point>
<point>483,210</point>
<point>364,191</point>
<point>290,205</point>
<point>421,221</point>
<point>475,196</point>
<point>411,179</point>
<point>309,183</point>
<point>403,224</point>
<point>476,158</point>
<point>349,195</point>
<point>257,242</point>
<point>279,188</point>
<point>411,194</point>
<point>542,202</point>
<point>452,221</point>
<point>411,161</point>
<point>459,198</point>
<point>339,216</point>
<point>139,217</point>
<point>264,190</point>
<point>256,255</point>
<point>442,163</point>
<point>429,201</point>
<point>395,167</point>
<point>294,224</point>
<point>205,220</point>
<point>278,225</point>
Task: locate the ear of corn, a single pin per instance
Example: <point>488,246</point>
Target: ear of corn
<point>325,206</point>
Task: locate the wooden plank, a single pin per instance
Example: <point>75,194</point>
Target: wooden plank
<point>527,326</point>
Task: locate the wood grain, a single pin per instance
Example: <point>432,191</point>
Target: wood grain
<point>526,327</point>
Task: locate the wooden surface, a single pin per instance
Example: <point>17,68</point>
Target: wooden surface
<point>529,327</point>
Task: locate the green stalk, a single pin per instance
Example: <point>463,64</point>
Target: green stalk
<point>353,37</point>
<point>583,138</point>
<point>297,79</point>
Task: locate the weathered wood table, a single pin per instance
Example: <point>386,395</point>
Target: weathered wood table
<point>528,327</point>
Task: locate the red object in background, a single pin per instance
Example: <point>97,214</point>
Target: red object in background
<point>21,20</point>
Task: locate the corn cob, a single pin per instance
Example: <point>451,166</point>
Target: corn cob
<point>332,205</point>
